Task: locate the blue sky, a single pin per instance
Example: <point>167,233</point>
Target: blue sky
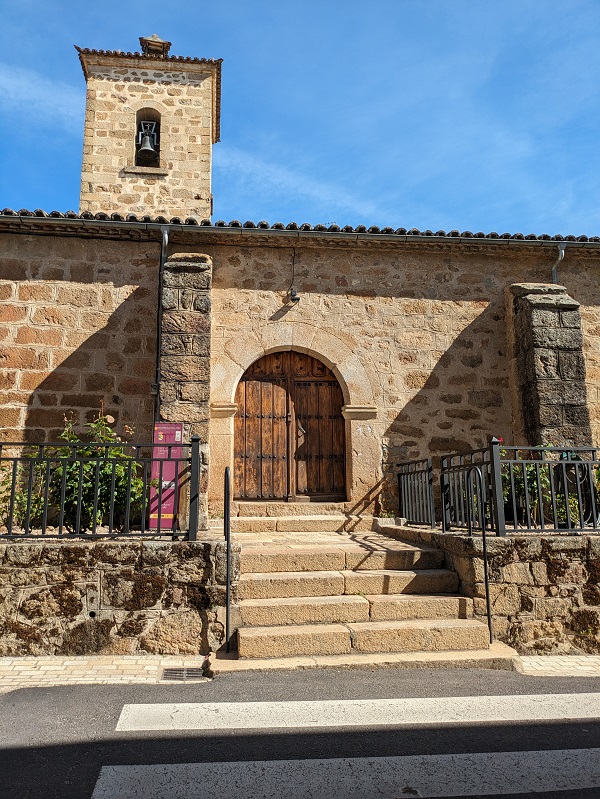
<point>468,114</point>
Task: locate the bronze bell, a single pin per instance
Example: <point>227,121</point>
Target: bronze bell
<point>146,149</point>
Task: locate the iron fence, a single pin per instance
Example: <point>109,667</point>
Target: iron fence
<point>415,492</point>
<point>465,504</point>
<point>99,489</point>
<point>550,488</point>
<point>500,488</point>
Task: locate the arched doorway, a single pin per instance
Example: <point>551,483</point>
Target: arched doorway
<point>289,438</point>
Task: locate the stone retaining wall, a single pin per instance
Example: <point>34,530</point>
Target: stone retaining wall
<point>109,597</point>
<point>545,590</point>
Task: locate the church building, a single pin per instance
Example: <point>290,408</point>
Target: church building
<point>310,359</point>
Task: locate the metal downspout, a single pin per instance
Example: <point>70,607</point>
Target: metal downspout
<point>561,255</point>
<point>159,318</point>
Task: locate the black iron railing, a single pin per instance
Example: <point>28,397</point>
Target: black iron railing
<point>550,488</point>
<point>464,507</point>
<point>227,531</point>
<point>415,492</point>
<point>525,489</point>
<point>98,489</point>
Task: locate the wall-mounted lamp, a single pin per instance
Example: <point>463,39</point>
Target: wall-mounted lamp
<point>294,296</point>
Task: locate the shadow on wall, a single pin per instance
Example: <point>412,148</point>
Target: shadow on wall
<point>464,399</point>
<point>113,368</point>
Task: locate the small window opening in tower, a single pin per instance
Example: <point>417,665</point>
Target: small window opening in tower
<point>147,144</point>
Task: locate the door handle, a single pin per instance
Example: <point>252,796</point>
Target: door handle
<point>301,430</point>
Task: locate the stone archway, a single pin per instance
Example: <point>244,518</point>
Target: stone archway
<point>360,409</point>
<point>289,431</point>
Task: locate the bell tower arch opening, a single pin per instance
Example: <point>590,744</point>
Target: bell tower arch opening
<point>147,137</point>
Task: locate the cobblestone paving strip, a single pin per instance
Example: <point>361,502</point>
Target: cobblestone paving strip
<point>33,672</point>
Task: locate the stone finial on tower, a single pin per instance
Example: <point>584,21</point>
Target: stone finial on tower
<point>154,45</point>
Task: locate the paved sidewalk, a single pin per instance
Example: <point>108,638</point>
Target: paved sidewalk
<point>30,672</point>
<point>564,666</point>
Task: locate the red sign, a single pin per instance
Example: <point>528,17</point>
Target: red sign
<point>165,471</point>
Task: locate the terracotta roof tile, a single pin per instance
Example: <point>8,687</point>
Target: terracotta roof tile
<point>293,226</point>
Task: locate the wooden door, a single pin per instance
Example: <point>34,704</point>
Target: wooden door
<point>289,431</point>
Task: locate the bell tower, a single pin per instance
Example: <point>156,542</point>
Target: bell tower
<point>151,120</point>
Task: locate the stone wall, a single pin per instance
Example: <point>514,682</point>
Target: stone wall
<point>416,334</point>
<point>544,590</point>
<point>425,329</point>
<point>78,328</point>
<point>110,597</point>
<point>184,96</point>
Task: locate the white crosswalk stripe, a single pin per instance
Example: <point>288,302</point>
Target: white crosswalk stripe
<point>358,712</point>
<point>445,775</point>
<point>480,774</point>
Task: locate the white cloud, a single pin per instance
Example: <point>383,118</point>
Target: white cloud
<point>249,174</point>
<point>31,97</point>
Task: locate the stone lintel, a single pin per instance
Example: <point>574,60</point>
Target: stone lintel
<point>223,410</point>
<point>523,289</point>
<point>189,260</point>
<point>146,171</point>
<point>352,412</point>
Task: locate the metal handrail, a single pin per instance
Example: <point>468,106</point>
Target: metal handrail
<point>227,531</point>
<point>481,500</point>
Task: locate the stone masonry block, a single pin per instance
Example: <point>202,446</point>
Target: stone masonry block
<point>185,322</point>
<point>571,365</point>
<point>570,319</point>
<point>559,392</point>
<point>184,368</point>
<point>553,338</point>
<point>546,363</point>
<point>194,301</point>
<point>185,344</point>
<point>542,317</point>
<point>187,280</point>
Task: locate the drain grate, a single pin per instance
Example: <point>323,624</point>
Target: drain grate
<point>183,674</point>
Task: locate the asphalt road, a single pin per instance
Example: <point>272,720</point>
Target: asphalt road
<point>56,740</point>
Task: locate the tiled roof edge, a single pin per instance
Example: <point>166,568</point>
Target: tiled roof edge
<point>294,226</point>
<point>174,59</point>
<point>148,57</point>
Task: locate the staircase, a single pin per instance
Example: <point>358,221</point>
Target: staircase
<point>328,584</point>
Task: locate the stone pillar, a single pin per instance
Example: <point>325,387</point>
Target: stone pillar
<point>185,354</point>
<point>549,366</point>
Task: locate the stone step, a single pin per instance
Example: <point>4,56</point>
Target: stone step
<point>403,607</point>
<point>308,523</point>
<point>289,508</point>
<point>362,637</point>
<point>272,558</point>
<point>302,610</point>
<point>305,639</point>
<point>349,608</point>
<point>272,585</point>
<point>385,581</point>
<point>269,585</point>
<point>421,635</point>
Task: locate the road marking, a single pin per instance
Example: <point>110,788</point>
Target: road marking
<point>481,774</point>
<point>359,712</point>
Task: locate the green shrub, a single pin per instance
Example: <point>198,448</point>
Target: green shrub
<point>87,478</point>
